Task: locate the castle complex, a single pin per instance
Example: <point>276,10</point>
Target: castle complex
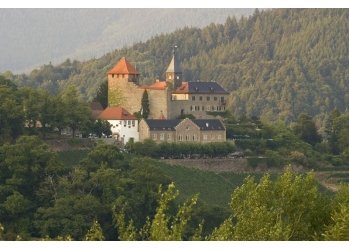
<point>167,99</point>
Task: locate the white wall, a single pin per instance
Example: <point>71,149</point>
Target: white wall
<point>126,129</point>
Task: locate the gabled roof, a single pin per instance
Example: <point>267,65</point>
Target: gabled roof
<point>203,124</point>
<point>200,88</point>
<point>157,124</point>
<point>209,124</point>
<point>116,113</point>
<point>123,67</point>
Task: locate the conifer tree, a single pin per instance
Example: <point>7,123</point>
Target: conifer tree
<point>145,105</point>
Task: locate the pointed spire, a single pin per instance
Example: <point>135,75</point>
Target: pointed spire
<point>173,67</point>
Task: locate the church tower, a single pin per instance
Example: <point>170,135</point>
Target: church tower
<point>173,72</point>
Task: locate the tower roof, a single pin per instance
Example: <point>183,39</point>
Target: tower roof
<point>173,67</point>
<point>123,67</point>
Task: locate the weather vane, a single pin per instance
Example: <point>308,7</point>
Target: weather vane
<point>174,47</point>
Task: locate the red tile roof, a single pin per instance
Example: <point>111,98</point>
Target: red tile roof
<point>123,67</point>
<point>155,86</point>
<point>184,88</point>
<point>116,113</point>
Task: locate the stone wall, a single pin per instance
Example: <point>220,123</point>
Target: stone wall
<point>158,103</point>
<point>127,94</point>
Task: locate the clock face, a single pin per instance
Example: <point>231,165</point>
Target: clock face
<point>177,77</point>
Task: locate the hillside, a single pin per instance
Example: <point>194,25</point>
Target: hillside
<point>276,63</point>
<point>32,37</point>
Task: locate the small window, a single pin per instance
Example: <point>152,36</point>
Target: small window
<point>169,137</point>
<point>203,108</point>
<point>154,137</point>
<point>205,137</point>
<point>215,98</point>
<point>208,108</point>
<point>162,136</point>
<point>207,98</point>
<point>133,123</point>
<point>187,137</point>
<point>193,98</point>
<point>200,98</point>
<point>222,98</point>
<point>219,137</point>
<point>112,75</point>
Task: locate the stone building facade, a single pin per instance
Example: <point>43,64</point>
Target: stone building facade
<point>174,130</point>
<point>167,99</point>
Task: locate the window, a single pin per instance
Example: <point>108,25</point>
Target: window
<point>205,137</point>
<point>222,98</point>
<point>128,122</point>
<point>193,98</point>
<point>112,75</point>
<point>133,123</point>
<point>215,98</point>
<point>162,136</point>
<point>219,137</point>
<point>208,108</point>
<point>180,138</point>
<point>155,137</point>
<point>169,77</point>
<point>203,108</point>
<point>200,98</point>
<point>169,137</point>
<point>191,108</point>
<point>207,98</point>
<point>187,137</point>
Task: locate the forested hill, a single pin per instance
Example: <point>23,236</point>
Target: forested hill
<point>276,63</point>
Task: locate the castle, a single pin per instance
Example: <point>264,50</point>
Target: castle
<point>167,99</point>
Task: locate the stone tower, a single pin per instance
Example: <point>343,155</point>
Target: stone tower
<point>123,86</point>
<point>173,72</point>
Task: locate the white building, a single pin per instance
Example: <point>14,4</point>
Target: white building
<point>124,125</point>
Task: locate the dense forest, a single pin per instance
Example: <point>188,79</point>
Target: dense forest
<point>108,193</point>
<point>276,63</point>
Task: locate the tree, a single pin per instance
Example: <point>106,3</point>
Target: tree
<point>145,105</point>
<point>24,167</point>
<point>102,94</point>
<point>95,233</point>
<point>306,130</point>
<point>290,208</point>
<point>76,112</point>
<point>162,226</point>
<point>11,114</point>
<point>338,228</point>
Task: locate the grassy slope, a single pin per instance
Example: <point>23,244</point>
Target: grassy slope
<point>213,189</point>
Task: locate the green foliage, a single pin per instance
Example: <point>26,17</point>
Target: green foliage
<point>162,226</point>
<point>290,208</point>
<point>338,229</point>
<point>145,105</point>
<point>180,150</point>
<point>102,94</point>
<point>295,61</point>
<point>75,111</point>
<point>305,129</point>
<point>25,169</point>
<point>95,233</point>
